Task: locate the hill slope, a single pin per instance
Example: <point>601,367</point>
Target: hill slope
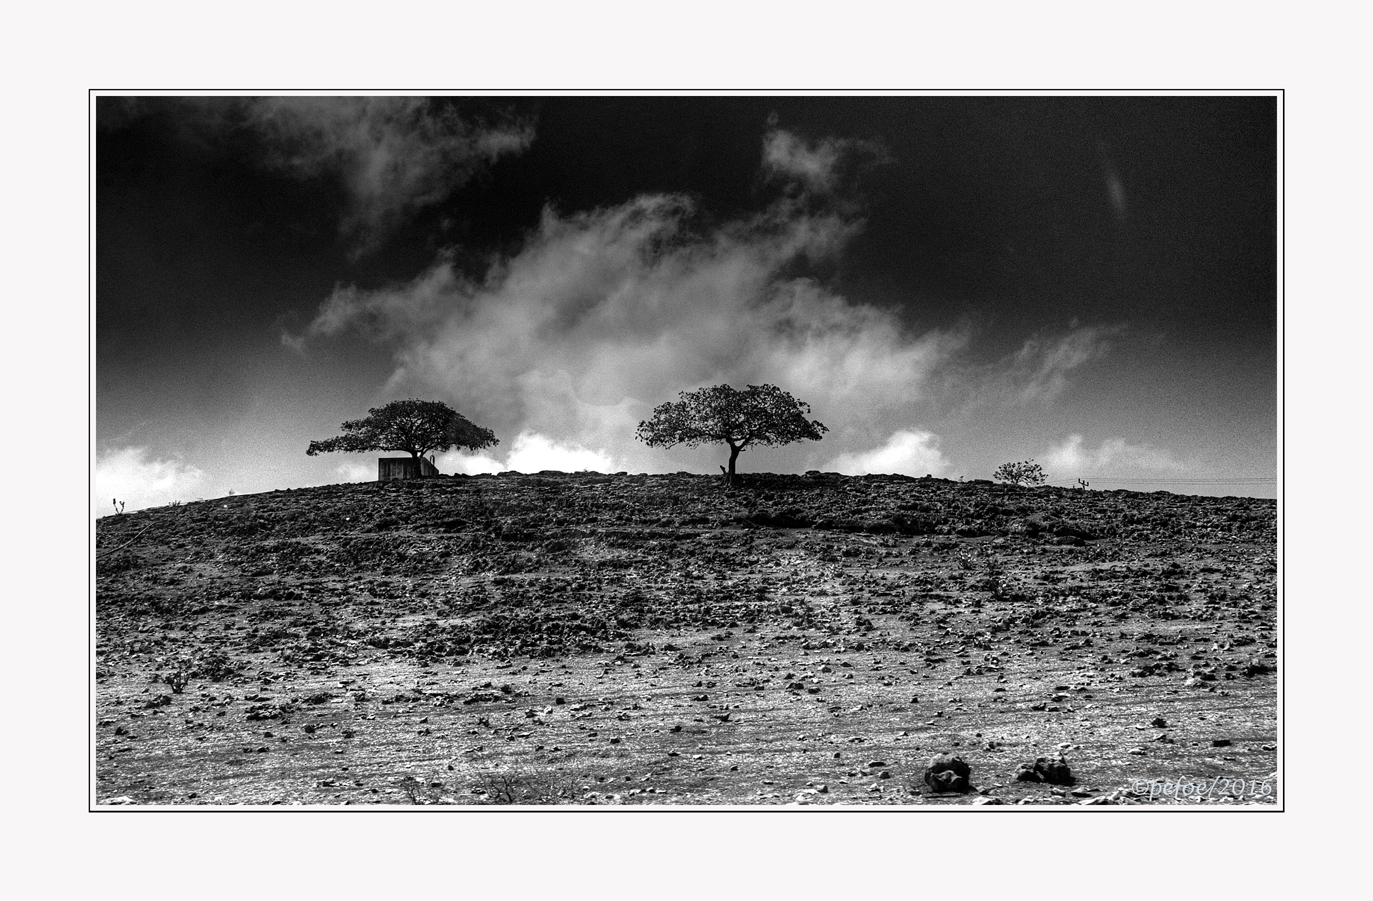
<point>657,639</point>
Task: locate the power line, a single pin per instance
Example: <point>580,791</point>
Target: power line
<point>1236,481</point>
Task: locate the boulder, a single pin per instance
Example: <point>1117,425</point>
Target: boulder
<point>947,773</point>
<point>1054,772</point>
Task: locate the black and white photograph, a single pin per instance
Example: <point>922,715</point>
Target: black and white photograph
<point>723,450</point>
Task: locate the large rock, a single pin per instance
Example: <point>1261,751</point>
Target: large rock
<point>947,773</point>
<point>1054,772</point>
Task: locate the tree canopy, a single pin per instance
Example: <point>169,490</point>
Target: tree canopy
<point>1027,473</point>
<point>414,426</point>
<point>760,414</point>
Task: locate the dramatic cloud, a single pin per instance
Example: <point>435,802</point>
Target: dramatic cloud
<point>128,474</point>
<point>395,155</point>
<point>601,315</point>
<point>604,314</point>
<point>1115,457</point>
<point>912,453</point>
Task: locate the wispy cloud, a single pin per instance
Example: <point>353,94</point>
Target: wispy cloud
<point>394,155</point>
<point>814,166</point>
<point>1040,370</point>
<point>1115,186</point>
<point>907,452</point>
<point>1113,457</point>
<point>138,480</point>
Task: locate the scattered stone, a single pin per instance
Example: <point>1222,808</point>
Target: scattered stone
<point>392,598</point>
<point>1044,769</point>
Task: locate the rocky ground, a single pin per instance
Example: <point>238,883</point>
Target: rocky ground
<point>592,639</point>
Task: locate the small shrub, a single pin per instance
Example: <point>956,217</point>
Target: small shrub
<point>418,793</point>
<point>1027,473</point>
<point>979,556</point>
<point>177,679</point>
<point>524,787</point>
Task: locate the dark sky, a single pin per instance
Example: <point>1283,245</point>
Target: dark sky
<point>950,282</point>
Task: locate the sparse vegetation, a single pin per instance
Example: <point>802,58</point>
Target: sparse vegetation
<point>1027,473</point>
<point>593,639</point>
<point>524,786</point>
<point>177,674</point>
<point>419,793</point>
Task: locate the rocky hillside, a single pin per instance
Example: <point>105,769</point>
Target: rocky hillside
<point>591,639</point>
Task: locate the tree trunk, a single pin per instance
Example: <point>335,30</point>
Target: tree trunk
<point>733,455</point>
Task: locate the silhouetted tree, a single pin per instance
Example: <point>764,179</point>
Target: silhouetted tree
<point>760,414</point>
<point>1027,472</point>
<point>414,426</point>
